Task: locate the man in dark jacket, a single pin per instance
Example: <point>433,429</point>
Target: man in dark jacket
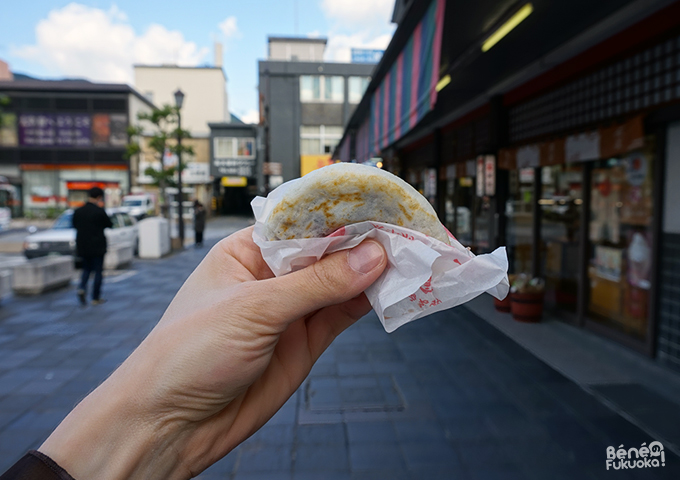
<point>90,220</point>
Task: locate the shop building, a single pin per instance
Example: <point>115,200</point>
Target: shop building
<point>205,101</point>
<point>557,139</point>
<point>236,153</point>
<point>60,138</point>
<point>304,105</point>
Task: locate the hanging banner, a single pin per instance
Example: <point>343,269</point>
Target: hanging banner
<point>507,159</point>
<point>528,156</point>
<point>552,152</point>
<point>582,147</point>
<point>408,90</point>
<point>620,139</point>
<point>489,175</point>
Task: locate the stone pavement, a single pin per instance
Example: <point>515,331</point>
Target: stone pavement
<point>449,396</point>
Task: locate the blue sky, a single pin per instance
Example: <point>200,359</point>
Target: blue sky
<point>100,40</point>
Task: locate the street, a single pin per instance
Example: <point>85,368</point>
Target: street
<point>446,397</point>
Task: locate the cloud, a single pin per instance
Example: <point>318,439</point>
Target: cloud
<point>229,28</point>
<point>82,41</point>
<point>252,116</point>
<point>359,14</point>
<point>357,24</point>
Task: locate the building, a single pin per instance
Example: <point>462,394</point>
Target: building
<point>304,103</point>
<point>552,129</point>
<point>236,153</point>
<point>205,101</point>
<point>59,138</point>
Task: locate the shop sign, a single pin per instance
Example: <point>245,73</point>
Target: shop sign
<point>233,167</point>
<point>480,176</point>
<point>490,175</point>
<point>552,153</point>
<point>72,130</point>
<point>309,163</point>
<point>234,181</point>
<point>620,139</point>
<point>636,169</point>
<point>582,147</point>
<point>196,173</point>
<point>507,159</point>
<point>528,156</point>
<point>271,168</point>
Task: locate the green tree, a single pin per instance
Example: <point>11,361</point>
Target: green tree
<point>164,138</point>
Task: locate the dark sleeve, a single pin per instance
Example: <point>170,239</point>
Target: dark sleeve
<point>76,220</point>
<point>36,466</point>
<point>106,220</point>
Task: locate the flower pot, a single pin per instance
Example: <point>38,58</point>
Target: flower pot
<point>502,305</point>
<point>527,307</point>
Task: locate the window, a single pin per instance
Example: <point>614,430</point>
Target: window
<point>357,86</point>
<point>319,88</point>
<point>319,139</point>
<point>230,147</point>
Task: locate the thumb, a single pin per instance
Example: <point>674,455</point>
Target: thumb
<point>334,279</point>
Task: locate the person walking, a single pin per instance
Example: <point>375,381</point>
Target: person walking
<point>90,220</point>
<point>199,222</point>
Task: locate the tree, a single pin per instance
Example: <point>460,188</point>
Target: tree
<point>164,122</point>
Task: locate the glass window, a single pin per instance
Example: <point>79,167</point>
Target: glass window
<point>319,139</point>
<point>115,220</point>
<point>519,213</point>
<point>621,240</point>
<point>229,147</point>
<point>314,130</point>
<point>127,221</point>
<point>334,89</point>
<point>357,86</point>
<point>224,147</point>
<point>310,146</point>
<point>560,204</point>
<point>315,88</point>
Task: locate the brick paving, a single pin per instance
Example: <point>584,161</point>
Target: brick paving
<point>446,397</point>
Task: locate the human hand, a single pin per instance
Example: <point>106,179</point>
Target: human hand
<point>232,347</point>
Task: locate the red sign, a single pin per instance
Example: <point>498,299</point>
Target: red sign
<point>86,185</point>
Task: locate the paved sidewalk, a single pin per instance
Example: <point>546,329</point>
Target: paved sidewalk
<point>446,397</point>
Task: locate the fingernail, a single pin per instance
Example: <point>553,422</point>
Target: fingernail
<point>365,257</point>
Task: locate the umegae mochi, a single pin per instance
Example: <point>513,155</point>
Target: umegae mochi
<point>331,197</point>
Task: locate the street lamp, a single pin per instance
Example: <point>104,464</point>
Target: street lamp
<point>179,100</point>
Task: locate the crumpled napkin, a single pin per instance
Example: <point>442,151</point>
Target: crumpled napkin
<point>423,276</point>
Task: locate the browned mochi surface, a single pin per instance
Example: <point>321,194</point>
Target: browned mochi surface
<point>345,193</point>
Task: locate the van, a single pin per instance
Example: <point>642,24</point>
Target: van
<point>139,206</point>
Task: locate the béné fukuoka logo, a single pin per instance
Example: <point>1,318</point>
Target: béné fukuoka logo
<point>643,457</point>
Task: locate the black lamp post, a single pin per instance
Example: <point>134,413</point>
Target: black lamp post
<point>179,99</point>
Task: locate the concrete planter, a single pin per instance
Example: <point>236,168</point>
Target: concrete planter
<point>42,274</point>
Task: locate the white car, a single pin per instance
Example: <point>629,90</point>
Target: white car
<point>138,206</point>
<point>61,238</point>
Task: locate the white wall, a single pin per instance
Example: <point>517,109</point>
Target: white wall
<point>671,216</point>
<point>205,93</point>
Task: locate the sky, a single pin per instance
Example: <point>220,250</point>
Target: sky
<point>101,40</point>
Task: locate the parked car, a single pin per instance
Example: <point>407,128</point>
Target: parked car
<point>139,206</point>
<point>61,238</point>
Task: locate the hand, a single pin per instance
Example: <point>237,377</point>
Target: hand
<point>232,347</point>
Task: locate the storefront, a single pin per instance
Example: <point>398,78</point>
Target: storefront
<point>555,149</point>
<point>59,138</point>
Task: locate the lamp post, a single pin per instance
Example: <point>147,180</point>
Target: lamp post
<point>179,99</point>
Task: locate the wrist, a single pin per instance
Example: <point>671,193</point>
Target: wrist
<point>109,436</point>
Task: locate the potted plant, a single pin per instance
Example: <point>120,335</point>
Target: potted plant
<point>504,305</point>
<point>526,298</point>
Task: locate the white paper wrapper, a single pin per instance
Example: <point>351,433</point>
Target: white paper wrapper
<point>423,276</point>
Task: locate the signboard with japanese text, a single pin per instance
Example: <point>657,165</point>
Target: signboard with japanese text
<point>480,176</point>
<point>490,175</point>
<point>72,130</point>
<point>366,55</point>
<point>233,167</point>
